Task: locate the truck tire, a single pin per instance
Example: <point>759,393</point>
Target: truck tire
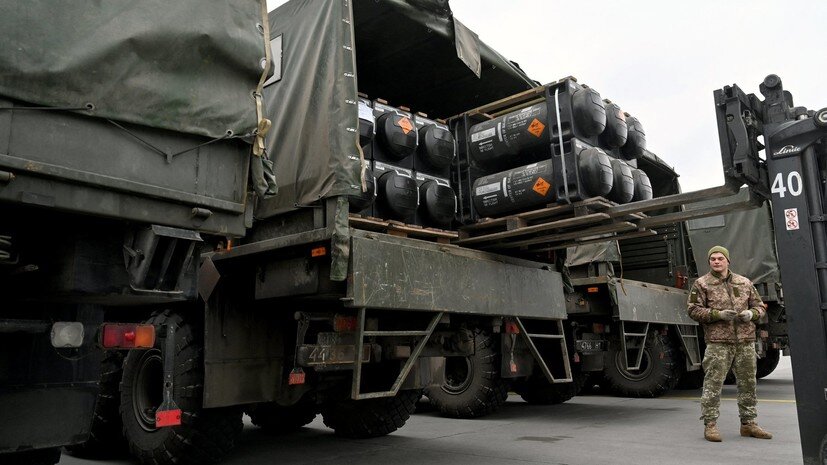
<point>49,456</point>
<point>279,419</point>
<point>473,387</point>
<point>660,369</point>
<point>360,419</point>
<point>205,435</point>
<point>538,391</point>
<point>768,363</point>
<point>106,436</point>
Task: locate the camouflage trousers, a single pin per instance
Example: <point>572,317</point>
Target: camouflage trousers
<point>718,359</point>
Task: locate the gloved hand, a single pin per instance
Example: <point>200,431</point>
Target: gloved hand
<point>727,315</point>
<point>745,316</point>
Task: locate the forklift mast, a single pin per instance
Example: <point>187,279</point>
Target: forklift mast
<point>792,175</point>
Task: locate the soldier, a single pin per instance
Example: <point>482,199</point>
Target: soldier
<point>727,304</point>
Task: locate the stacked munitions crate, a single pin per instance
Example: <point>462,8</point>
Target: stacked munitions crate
<point>408,162</point>
<point>557,143</point>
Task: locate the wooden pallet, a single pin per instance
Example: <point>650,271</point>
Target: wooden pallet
<point>554,227</point>
<point>396,228</point>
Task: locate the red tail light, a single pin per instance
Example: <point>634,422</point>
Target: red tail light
<point>127,336</point>
<point>344,323</point>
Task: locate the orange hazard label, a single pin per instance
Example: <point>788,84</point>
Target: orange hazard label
<point>541,186</point>
<point>405,124</point>
<point>536,127</point>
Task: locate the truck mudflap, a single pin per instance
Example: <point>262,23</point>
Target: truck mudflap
<point>406,274</point>
<point>35,417</point>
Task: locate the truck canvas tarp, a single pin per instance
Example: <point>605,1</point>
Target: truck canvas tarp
<point>150,62</point>
<point>329,50</point>
<point>749,236</point>
<point>141,111</point>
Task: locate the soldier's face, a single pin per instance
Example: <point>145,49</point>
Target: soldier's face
<point>718,263</point>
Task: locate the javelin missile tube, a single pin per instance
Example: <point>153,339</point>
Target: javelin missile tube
<point>643,186</point>
<point>623,185</point>
<point>531,186</point>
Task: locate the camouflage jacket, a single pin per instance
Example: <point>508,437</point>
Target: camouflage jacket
<point>711,294</point>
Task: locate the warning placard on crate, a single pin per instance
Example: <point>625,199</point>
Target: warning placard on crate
<point>536,127</point>
<point>541,186</point>
<point>405,124</point>
<point>791,219</point>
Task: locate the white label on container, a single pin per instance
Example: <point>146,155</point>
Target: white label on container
<point>365,112</point>
<point>482,135</point>
<point>488,188</point>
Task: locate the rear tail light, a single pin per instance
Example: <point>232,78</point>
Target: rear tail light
<point>344,323</point>
<point>127,336</point>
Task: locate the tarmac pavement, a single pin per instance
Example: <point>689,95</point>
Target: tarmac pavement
<point>587,430</point>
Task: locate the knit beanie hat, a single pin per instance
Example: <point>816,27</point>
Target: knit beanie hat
<point>718,249</point>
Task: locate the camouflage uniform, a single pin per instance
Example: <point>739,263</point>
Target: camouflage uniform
<point>729,343</point>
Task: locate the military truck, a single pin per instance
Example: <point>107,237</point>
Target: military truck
<point>119,164</point>
<point>627,273</point>
<point>219,294</point>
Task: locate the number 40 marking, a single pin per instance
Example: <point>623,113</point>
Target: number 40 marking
<point>794,184</point>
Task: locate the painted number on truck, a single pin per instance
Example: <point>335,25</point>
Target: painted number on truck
<point>794,185</point>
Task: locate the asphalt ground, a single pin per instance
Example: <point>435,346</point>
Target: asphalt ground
<point>587,430</point>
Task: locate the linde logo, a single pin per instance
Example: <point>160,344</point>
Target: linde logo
<point>787,150</point>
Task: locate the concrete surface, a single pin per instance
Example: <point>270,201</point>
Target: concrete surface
<point>589,429</point>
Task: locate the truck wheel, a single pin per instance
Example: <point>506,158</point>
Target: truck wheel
<point>659,369</point>
<point>538,391</point>
<point>49,456</point>
<point>205,435</point>
<point>768,364</point>
<point>473,387</point>
<point>106,436</point>
<point>360,419</point>
<point>279,419</point>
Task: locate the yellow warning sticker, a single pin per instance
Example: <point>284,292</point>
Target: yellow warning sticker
<point>536,128</point>
<point>541,186</point>
<point>405,124</point>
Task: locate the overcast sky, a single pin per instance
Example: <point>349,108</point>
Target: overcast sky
<point>661,60</point>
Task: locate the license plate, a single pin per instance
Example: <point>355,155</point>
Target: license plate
<point>310,355</point>
<point>589,346</point>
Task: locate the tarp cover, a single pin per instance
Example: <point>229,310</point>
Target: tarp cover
<point>747,234</point>
<point>414,53</point>
<point>314,141</point>
<point>185,65</point>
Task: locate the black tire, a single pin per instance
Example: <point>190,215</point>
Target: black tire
<point>370,418</point>
<point>768,363</point>
<point>660,369</point>
<point>49,456</point>
<point>279,419</point>
<point>205,435</point>
<point>538,391</point>
<point>473,387</point>
<point>106,436</point>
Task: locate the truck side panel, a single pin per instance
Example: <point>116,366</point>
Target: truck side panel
<point>411,277</point>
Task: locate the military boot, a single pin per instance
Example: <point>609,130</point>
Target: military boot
<point>751,429</point>
<point>711,432</point>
